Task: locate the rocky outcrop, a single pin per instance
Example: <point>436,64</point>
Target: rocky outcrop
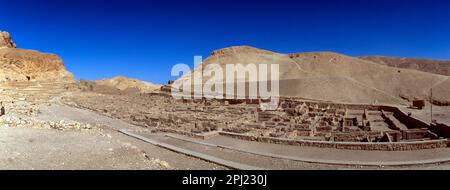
<point>18,65</point>
<point>6,41</point>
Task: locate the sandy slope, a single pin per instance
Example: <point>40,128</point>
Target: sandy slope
<point>441,67</point>
<point>335,77</point>
<point>123,83</point>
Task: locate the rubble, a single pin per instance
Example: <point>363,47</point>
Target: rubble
<point>295,119</point>
<point>17,121</point>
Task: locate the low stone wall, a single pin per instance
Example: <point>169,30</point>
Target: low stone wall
<point>398,114</point>
<point>404,118</point>
<point>202,136</point>
<point>344,105</point>
<point>415,134</point>
<point>394,146</point>
<point>179,132</point>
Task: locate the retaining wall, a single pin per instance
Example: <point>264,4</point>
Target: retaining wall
<point>440,129</point>
<point>394,146</point>
<point>404,118</point>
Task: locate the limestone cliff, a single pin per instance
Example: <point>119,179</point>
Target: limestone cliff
<point>18,65</point>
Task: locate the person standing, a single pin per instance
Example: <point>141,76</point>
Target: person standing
<point>2,109</point>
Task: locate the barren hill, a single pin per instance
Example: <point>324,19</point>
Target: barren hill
<point>427,65</point>
<point>123,83</point>
<point>335,77</point>
<point>29,65</point>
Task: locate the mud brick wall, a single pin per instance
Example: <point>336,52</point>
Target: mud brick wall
<point>355,136</point>
<point>305,132</point>
<point>440,129</point>
<point>396,146</point>
<point>395,135</point>
<point>404,118</point>
<point>343,106</point>
<point>415,134</point>
<point>389,121</point>
<point>398,114</point>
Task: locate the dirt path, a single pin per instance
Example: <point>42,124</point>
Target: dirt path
<point>27,148</point>
<point>110,125</point>
<point>273,156</point>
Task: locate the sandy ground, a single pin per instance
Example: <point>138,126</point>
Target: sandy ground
<point>98,148</point>
<point>25,148</point>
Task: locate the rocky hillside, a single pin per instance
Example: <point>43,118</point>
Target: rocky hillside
<point>441,67</point>
<point>29,65</point>
<point>123,83</point>
<point>335,77</point>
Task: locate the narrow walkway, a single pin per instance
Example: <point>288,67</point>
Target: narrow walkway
<point>323,155</point>
<point>227,163</point>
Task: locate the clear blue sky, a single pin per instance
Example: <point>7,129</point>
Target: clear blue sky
<point>143,39</point>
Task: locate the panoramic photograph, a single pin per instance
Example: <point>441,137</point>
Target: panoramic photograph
<point>227,85</point>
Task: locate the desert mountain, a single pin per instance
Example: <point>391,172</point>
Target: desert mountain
<point>29,65</point>
<point>334,77</point>
<point>441,67</point>
<point>123,83</point>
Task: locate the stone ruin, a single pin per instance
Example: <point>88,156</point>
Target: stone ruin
<point>316,121</point>
<point>295,121</point>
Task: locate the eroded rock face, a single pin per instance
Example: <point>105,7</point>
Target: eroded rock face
<point>6,41</point>
<point>18,65</point>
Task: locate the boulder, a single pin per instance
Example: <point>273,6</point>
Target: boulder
<point>6,41</point>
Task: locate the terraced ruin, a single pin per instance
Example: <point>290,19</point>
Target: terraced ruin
<point>296,122</point>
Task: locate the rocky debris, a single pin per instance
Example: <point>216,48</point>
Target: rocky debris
<point>6,41</point>
<point>157,163</point>
<point>11,105</point>
<point>18,121</point>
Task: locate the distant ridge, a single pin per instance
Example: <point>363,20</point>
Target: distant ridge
<point>123,83</point>
<point>441,67</point>
<point>335,77</point>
